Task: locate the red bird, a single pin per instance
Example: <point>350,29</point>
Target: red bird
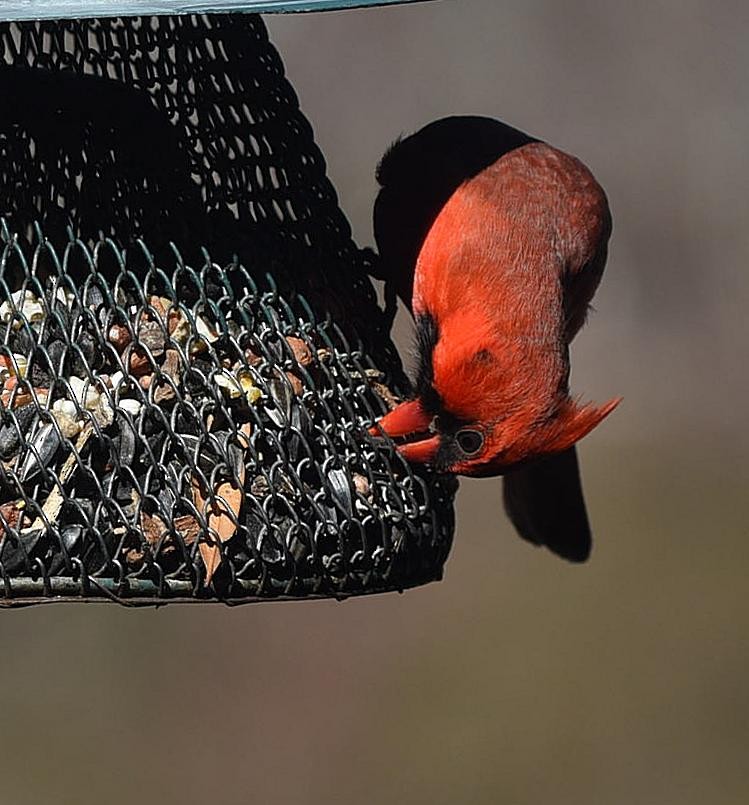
<point>505,239</point>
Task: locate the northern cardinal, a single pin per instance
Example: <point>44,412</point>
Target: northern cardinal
<point>497,243</point>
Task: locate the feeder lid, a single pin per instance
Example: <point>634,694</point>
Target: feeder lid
<point>77,9</point>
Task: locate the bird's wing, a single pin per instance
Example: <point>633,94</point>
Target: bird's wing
<point>418,174</point>
<point>545,502</point>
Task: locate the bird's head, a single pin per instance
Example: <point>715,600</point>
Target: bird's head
<point>482,408</point>
<point>480,449</point>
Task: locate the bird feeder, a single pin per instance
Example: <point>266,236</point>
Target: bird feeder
<point>191,350</point>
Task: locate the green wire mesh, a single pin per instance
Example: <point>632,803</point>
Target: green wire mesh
<point>191,351</point>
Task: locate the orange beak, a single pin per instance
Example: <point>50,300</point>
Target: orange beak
<point>410,421</point>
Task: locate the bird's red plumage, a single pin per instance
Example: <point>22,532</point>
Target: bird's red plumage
<point>507,271</point>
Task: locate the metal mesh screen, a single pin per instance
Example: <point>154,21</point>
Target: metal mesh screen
<point>187,422</point>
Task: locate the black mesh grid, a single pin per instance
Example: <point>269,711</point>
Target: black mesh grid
<point>190,351</point>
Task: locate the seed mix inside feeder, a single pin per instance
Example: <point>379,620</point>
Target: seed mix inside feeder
<point>191,352</point>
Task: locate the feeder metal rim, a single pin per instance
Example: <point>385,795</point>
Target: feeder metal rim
<point>140,593</point>
<point>13,10</point>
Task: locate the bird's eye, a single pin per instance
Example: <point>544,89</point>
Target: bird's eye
<point>470,441</point>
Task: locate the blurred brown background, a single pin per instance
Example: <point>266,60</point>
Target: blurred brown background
<point>519,679</point>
